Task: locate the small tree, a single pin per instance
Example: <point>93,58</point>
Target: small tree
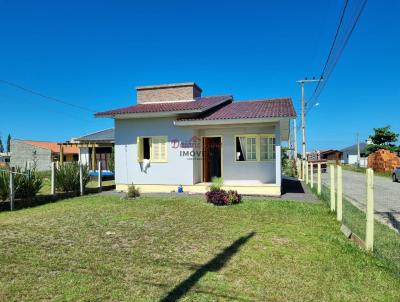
<point>1,146</point>
<point>9,143</point>
<point>383,138</point>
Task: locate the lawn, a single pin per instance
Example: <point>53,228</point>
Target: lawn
<point>98,248</point>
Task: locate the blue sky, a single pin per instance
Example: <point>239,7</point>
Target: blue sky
<point>94,53</point>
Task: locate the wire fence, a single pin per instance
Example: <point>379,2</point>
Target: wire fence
<point>367,206</point>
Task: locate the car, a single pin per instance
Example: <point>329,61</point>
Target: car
<point>396,174</point>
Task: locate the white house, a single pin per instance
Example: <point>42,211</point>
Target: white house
<point>174,136</point>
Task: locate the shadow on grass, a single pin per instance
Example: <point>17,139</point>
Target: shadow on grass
<point>213,265</point>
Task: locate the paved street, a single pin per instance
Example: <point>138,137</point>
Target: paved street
<point>387,195</point>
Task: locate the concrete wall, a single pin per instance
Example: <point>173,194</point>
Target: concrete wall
<point>178,170</point>
<point>23,154</point>
<point>245,172</point>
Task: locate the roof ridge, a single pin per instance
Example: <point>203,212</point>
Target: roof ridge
<point>264,99</point>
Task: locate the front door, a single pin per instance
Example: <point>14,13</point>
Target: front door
<point>211,158</point>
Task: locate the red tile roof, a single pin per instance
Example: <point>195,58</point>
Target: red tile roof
<point>279,107</point>
<point>52,146</point>
<point>198,106</point>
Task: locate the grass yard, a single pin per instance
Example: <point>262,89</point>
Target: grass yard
<point>46,188</point>
<point>98,248</point>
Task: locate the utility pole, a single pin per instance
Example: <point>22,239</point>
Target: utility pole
<point>295,139</point>
<point>358,149</point>
<point>303,113</point>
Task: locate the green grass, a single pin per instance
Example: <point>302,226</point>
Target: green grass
<point>386,240</point>
<point>357,169</point>
<point>99,248</point>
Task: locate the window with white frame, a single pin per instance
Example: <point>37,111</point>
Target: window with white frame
<point>153,148</point>
<point>246,148</point>
<point>267,147</point>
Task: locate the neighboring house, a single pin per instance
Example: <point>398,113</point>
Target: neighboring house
<point>174,136</point>
<point>331,155</point>
<point>40,154</point>
<point>350,155</point>
<point>95,147</point>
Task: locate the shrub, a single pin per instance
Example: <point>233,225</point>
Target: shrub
<point>26,183</point>
<point>67,177</point>
<point>133,192</point>
<point>4,184</point>
<point>217,183</point>
<point>217,197</point>
<point>234,197</point>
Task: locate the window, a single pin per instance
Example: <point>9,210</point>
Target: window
<point>255,147</point>
<point>267,147</point>
<point>246,148</point>
<point>153,148</point>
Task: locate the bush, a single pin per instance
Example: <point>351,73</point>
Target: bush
<point>27,183</point>
<point>217,197</point>
<point>4,184</point>
<point>67,177</point>
<point>133,192</point>
<point>217,183</point>
<point>234,197</point>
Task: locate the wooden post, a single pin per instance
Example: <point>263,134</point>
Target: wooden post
<point>81,180</point>
<point>319,185</point>
<point>53,178</point>
<point>332,185</point>
<point>12,189</point>
<point>306,172</point>
<point>339,202</point>
<point>93,157</point>
<point>99,177</point>
<point>61,154</point>
<point>369,234</point>
<point>312,175</point>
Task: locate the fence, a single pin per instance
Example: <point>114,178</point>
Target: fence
<point>32,199</point>
<point>368,212</point>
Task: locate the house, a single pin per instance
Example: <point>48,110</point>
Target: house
<point>175,136</point>
<point>350,155</point>
<point>96,147</point>
<point>40,154</point>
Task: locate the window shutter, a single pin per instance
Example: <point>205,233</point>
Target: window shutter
<point>139,146</point>
<point>163,149</point>
<point>159,149</point>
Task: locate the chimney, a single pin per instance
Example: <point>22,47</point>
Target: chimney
<point>168,93</point>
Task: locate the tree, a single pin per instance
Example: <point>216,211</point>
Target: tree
<point>383,138</point>
<point>1,146</point>
<point>9,143</point>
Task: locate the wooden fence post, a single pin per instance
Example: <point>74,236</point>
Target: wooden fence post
<point>306,166</point>
<point>53,178</point>
<point>12,189</point>
<point>319,185</point>
<point>332,186</point>
<point>339,202</point>
<point>369,234</point>
<point>312,175</point>
<point>81,180</point>
<point>99,178</point>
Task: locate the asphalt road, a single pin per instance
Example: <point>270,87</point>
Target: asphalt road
<point>386,194</point>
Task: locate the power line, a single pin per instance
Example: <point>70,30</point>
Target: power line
<point>336,51</point>
<point>45,96</point>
